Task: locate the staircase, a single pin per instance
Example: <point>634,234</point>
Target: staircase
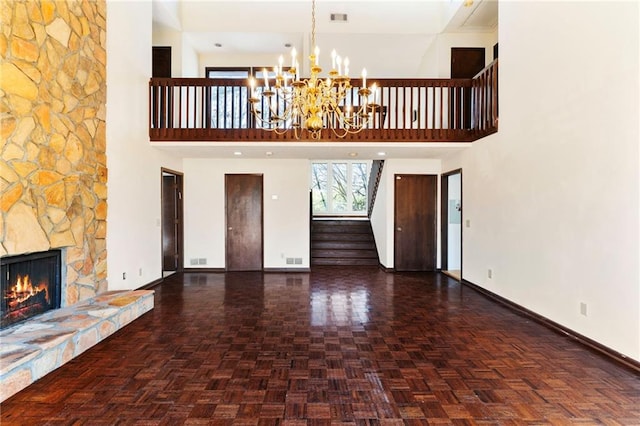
<point>344,242</point>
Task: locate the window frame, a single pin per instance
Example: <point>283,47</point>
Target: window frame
<point>251,71</point>
<point>349,182</point>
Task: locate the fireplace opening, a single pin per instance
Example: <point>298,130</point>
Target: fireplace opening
<point>30,284</point>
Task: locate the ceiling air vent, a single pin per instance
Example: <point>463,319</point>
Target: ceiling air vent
<point>338,17</point>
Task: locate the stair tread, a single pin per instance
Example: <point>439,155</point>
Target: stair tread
<point>340,229</point>
<point>342,237</point>
<point>351,255</point>
<point>352,245</point>
<point>344,262</point>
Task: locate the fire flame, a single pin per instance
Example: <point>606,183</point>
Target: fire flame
<point>24,289</point>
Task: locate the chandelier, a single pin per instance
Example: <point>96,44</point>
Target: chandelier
<point>315,103</point>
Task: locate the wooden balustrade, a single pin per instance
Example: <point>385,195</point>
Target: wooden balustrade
<point>411,110</point>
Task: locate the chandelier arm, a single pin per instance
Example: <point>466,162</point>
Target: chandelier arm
<point>265,124</point>
<point>344,126</point>
<point>348,123</point>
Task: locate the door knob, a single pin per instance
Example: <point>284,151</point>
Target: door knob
<point>230,228</point>
<point>399,228</point>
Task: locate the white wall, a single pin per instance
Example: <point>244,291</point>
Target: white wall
<point>238,60</point>
<point>379,219</point>
<point>184,59</point>
<point>395,63</point>
<point>382,217</point>
<point>552,198</point>
<point>286,219</point>
<point>436,62</point>
<point>133,229</point>
<point>190,64</point>
<point>166,36</point>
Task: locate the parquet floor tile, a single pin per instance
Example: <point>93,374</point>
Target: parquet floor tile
<point>338,346</point>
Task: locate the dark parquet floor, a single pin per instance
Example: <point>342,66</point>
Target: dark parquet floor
<point>346,346</point>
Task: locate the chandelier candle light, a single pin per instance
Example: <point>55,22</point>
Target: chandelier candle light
<point>314,103</point>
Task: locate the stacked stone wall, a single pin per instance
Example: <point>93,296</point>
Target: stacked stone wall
<point>53,167</point>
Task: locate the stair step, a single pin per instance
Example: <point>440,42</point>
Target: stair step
<point>339,222</point>
<point>354,227</point>
<point>344,262</point>
<point>341,237</point>
<point>344,253</point>
<point>344,242</point>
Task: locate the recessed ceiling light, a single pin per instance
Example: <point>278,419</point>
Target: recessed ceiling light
<point>237,153</point>
<point>268,153</point>
<point>353,154</point>
<point>382,153</point>
<point>339,17</point>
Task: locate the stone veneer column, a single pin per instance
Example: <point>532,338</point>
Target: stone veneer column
<point>53,166</point>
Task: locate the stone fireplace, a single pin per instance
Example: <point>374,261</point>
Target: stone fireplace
<point>30,285</point>
<point>53,181</point>
<point>53,166</point>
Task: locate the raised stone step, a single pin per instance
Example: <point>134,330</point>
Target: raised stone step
<point>33,348</point>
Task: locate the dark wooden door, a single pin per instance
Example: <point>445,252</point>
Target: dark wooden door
<point>466,62</point>
<point>162,97</point>
<point>172,224</point>
<point>244,202</point>
<point>161,61</point>
<point>415,222</point>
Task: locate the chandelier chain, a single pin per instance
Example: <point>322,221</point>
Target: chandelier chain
<point>313,24</point>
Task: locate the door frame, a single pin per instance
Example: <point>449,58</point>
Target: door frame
<point>180,217</point>
<point>444,219</point>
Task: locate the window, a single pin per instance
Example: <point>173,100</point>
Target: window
<point>228,103</point>
<point>240,72</point>
<point>228,72</point>
<point>339,187</point>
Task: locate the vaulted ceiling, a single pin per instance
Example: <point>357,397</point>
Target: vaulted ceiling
<point>240,27</point>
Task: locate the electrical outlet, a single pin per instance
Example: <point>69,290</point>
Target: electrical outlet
<point>289,260</point>
<point>202,261</point>
<point>467,223</point>
<point>583,309</point>
<point>490,273</point>
<point>297,261</point>
<point>140,272</point>
<point>193,262</point>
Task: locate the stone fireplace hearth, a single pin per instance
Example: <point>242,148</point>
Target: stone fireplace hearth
<point>35,347</point>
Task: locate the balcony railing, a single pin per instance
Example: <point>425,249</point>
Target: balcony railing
<point>412,110</point>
